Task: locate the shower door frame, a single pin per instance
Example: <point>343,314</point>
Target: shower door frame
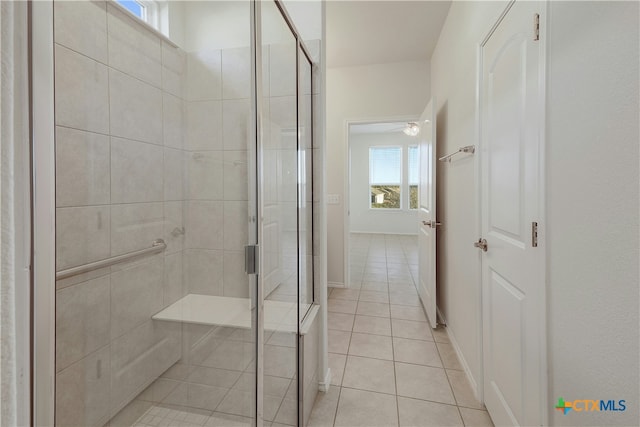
<point>43,334</point>
<point>42,111</point>
<point>256,84</point>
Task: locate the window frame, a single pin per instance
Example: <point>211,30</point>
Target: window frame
<point>150,12</point>
<point>409,184</point>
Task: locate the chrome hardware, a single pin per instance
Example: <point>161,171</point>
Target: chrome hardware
<point>432,224</point>
<point>467,149</point>
<point>157,246</point>
<point>482,244</point>
<point>251,259</point>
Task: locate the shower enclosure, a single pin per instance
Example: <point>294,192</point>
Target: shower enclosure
<point>184,214</point>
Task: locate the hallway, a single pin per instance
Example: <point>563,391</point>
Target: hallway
<point>388,368</point>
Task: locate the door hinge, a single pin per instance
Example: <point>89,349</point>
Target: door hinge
<point>534,234</point>
<point>536,27</point>
<point>251,259</point>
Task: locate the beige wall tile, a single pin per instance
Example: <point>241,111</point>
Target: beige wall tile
<point>82,168</point>
<point>82,391</point>
<point>204,125</point>
<point>82,320</point>
<point>133,49</point>
<point>136,294</point>
<point>83,235</point>
<point>204,271</point>
<point>135,226</point>
<point>82,92</point>
<point>74,20</point>
<point>135,108</point>
<point>135,171</point>
<point>236,67</point>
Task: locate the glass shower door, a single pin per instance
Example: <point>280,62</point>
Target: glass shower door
<point>279,269</point>
<point>156,200</point>
<point>285,147</point>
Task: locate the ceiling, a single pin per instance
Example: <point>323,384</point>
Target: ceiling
<point>361,32</point>
<point>386,127</point>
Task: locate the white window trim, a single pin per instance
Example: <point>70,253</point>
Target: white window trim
<point>408,182</point>
<point>151,13</point>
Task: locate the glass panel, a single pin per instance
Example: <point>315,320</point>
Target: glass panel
<point>385,177</point>
<point>305,175</point>
<point>134,7</point>
<point>280,215</point>
<point>154,141</point>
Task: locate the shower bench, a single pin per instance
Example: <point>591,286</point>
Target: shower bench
<point>233,312</point>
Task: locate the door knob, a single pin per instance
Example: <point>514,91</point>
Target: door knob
<point>482,244</point>
<point>432,224</point>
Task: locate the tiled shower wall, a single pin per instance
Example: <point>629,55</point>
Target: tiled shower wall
<point>217,126</point>
<point>145,152</point>
<point>119,162</point>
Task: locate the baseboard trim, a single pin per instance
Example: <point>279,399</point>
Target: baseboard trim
<point>463,361</point>
<point>324,385</point>
<point>336,285</point>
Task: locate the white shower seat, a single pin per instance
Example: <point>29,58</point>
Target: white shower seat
<point>236,312</point>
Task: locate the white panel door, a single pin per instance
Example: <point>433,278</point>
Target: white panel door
<point>512,286</point>
<point>427,213</point>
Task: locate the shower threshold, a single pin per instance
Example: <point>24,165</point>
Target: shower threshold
<point>237,312</point>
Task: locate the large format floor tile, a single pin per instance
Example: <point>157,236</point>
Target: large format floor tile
<point>374,346</point>
<point>414,412</point>
<point>370,374</point>
<point>423,382</point>
<point>416,351</point>
<point>372,325</point>
<point>388,367</point>
<point>366,409</point>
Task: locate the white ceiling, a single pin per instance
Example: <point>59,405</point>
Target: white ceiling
<point>387,127</point>
<point>361,32</point>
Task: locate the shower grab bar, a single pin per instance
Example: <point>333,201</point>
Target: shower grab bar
<point>468,149</point>
<point>157,246</point>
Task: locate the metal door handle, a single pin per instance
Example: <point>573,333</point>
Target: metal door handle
<point>432,224</point>
<point>482,244</point>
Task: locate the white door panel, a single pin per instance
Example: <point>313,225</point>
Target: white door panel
<point>511,289</point>
<point>427,213</point>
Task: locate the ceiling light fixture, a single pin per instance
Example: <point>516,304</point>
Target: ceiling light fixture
<point>412,129</point>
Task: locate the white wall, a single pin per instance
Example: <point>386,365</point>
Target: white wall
<point>373,92</point>
<point>592,196</point>
<point>362,218</point>
<point>453,83</point>
<point>216,25</point>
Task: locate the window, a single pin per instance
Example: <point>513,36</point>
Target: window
<point>414,176</point>
<point>135,7</point>
<point>145,10</point>
<point>385,177</point>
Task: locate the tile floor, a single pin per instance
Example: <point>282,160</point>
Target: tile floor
<point>388,367</point>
